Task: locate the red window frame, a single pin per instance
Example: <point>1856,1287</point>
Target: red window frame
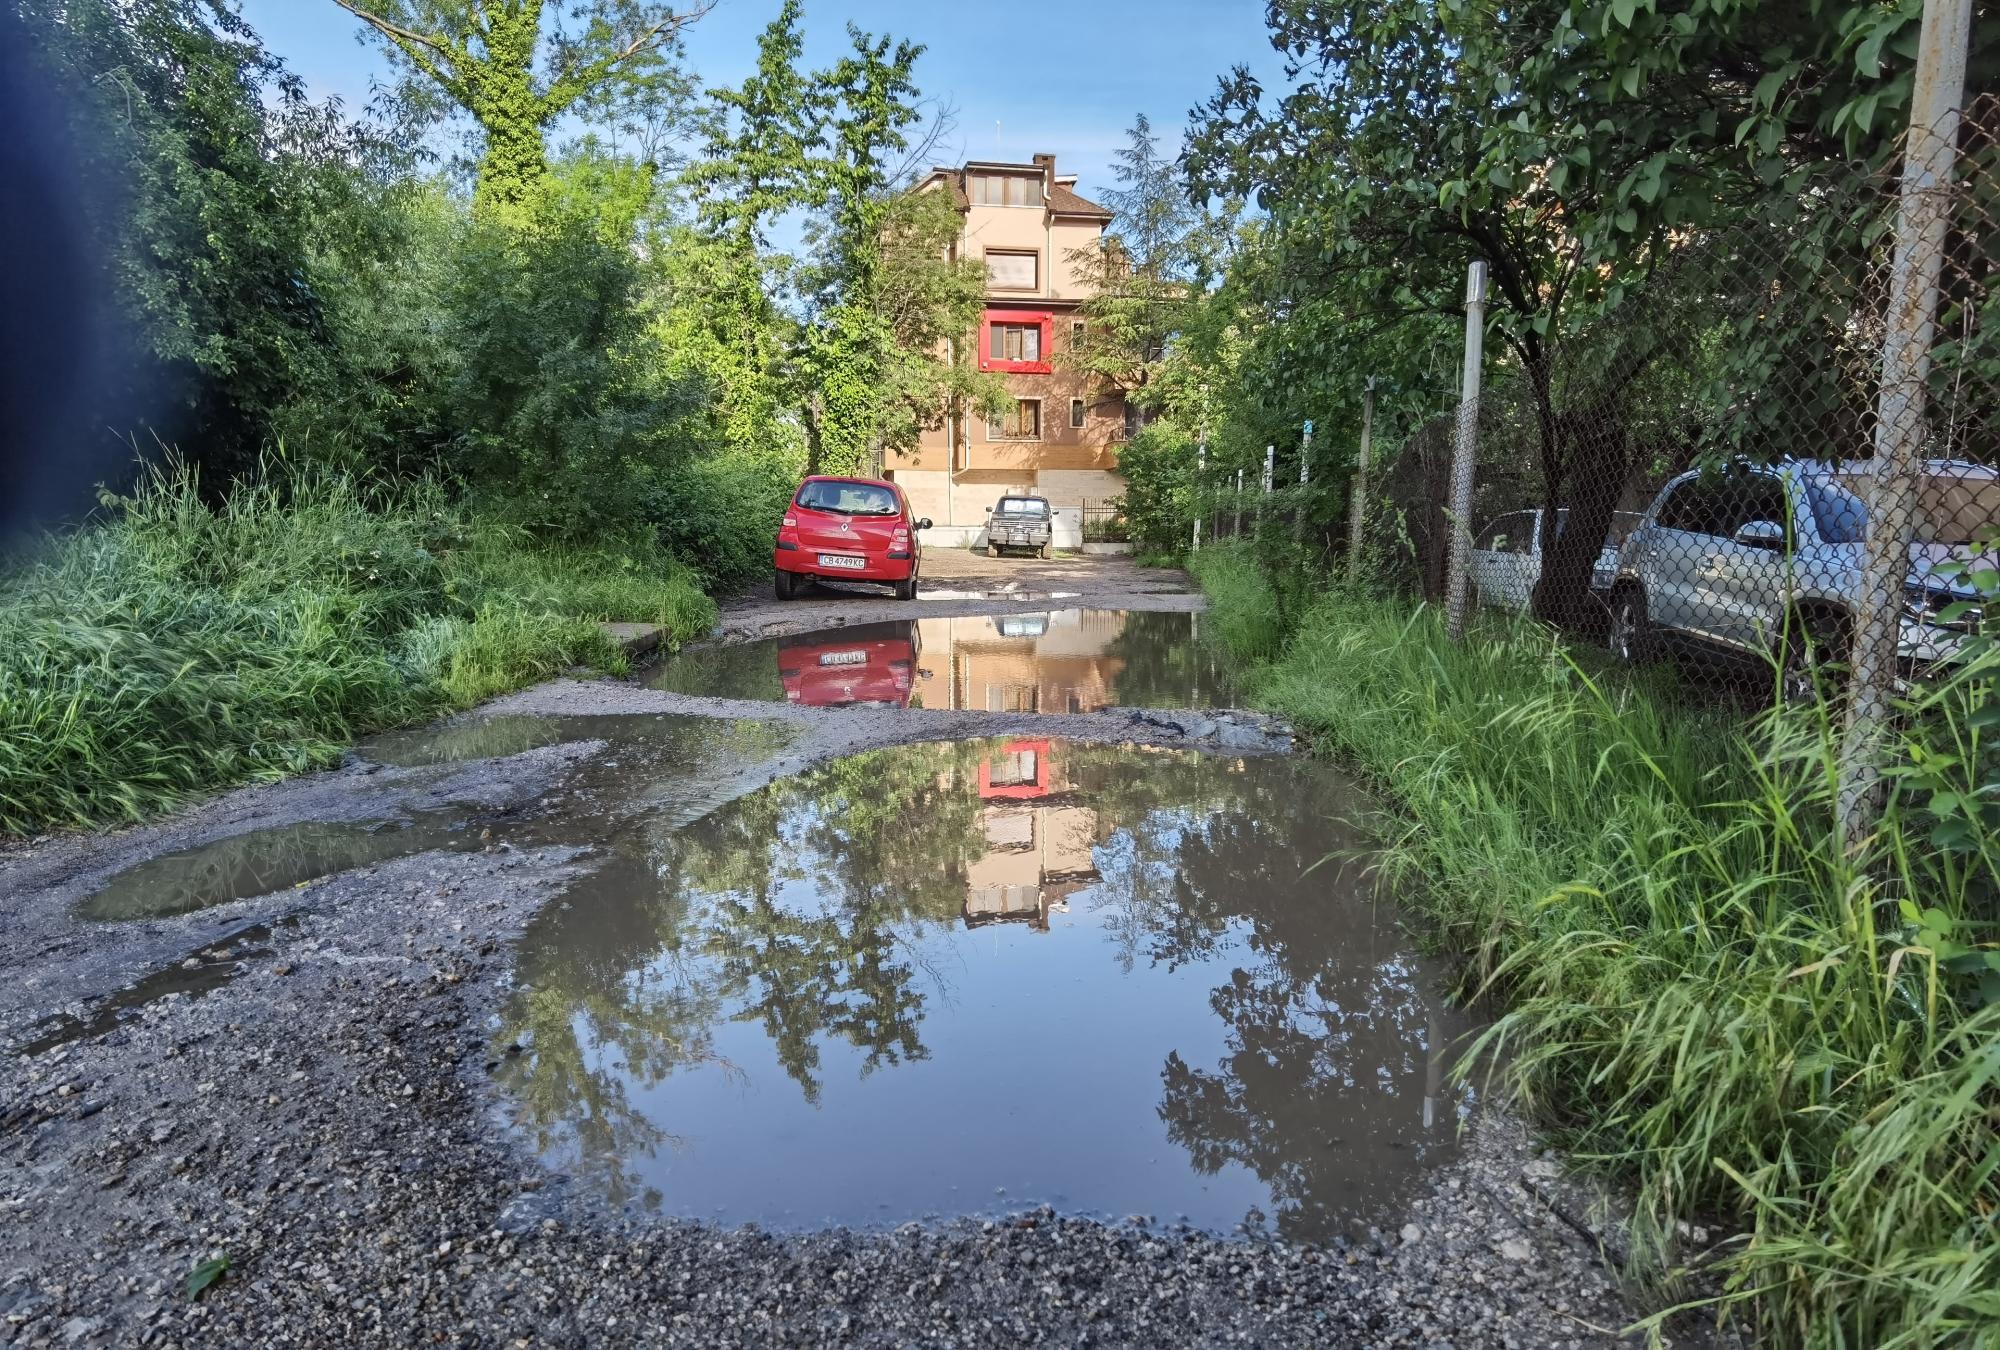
<point>1042,318</point>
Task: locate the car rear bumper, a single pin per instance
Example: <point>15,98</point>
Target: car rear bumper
<point>805,562</point>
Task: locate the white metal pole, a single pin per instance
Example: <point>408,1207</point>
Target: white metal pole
<point>1459,519</point>
<point>1270,467</point>
<point>1200,478</point>
<point>1922,218</point>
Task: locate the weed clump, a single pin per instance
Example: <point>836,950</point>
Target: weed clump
<point>174,646</point>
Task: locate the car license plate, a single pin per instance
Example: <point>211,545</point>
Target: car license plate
<point>843,658</point>
<point>841,560</point>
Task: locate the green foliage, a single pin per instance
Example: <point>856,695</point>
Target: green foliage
<point>1153,267</point>
<point>518,65</point>
<point>204,1274</point>
<point>1160,488</point>
<point>1701,990</point>
<point>177,646</point>
<point>196,152</point>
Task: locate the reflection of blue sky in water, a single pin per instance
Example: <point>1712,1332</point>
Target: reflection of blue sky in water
<point>946,979</point>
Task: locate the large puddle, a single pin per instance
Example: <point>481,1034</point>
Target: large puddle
<point>1070,660</point>
<point>958,979</point>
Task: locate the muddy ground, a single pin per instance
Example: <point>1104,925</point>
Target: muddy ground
<point>304,1081</point>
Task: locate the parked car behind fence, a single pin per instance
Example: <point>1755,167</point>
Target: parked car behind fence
<point>1506,559</point>
<point>1763,564</point>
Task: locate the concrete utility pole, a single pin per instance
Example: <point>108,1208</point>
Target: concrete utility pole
<point>1358,510</point>
<point>1306,454</point>
<point>1464,452</point>
<point>1910,327</point>
<point>1270,467</point>
<point>1239,505</point>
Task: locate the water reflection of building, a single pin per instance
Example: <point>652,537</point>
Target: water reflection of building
<point>1021,662</point>
<point>1038,840</point>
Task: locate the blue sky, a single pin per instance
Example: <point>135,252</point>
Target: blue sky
<point>1027,76</point>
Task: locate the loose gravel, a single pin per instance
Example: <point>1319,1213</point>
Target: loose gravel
<point>323,1115</point>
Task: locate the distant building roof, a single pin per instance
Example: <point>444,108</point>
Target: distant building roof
<point>1063,198</point>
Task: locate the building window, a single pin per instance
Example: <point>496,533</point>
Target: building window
<point>1076,412</point>
<point>1022,423</point>
<point>1076,332</point>
<point>997,189</point>
<point>1015,342</point>
<point>1009,270</point>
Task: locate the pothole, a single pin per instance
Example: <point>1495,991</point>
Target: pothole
<point>262,861</point>
<point>960,979</point>
<point>1066,660</point>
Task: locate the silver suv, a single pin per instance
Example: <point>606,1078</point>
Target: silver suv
<point>1764,563</point>
<point>1024,524</point>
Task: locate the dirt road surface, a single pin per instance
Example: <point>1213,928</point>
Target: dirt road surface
<point>304,1080</point>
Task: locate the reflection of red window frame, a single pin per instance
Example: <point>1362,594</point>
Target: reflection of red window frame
<point>1041,318</point>
<point>1018,791</point>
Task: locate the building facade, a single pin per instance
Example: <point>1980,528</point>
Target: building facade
<point>1060,437</point>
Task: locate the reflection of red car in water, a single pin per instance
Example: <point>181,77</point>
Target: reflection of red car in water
<point>871,664</point>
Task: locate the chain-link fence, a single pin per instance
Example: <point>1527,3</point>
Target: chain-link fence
<point>1771,465</point>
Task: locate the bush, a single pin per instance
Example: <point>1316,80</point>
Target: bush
<point>174,647</point>
<point>1701,990</point>
<point>1158,466</point>
<point>722,513</point>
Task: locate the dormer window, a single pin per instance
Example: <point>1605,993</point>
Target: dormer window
<point>1003,189</point>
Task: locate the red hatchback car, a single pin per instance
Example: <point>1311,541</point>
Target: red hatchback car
<point>848,529</point>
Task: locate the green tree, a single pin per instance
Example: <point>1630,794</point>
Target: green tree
<point>199,153</point>
<point>1149,271</point>
<point>516,66</point>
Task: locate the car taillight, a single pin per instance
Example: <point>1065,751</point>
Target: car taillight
<point>901,539</point>
<point>791,522</point>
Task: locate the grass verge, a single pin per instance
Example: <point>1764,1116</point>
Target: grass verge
<point>174,647</point>
<point>1699,991</point>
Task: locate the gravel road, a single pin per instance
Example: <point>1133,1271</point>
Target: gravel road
<point>317,1102</point>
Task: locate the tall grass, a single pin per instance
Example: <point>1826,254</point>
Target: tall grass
<point>1699,990</point>
<point>174,646</point>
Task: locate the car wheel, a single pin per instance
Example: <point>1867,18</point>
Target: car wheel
<point>1045,552</point>
<point>1631,635</point>
<point>786,585</point>
<point>1809,651</point>
<point>907,590</point>
<point>992,550</point>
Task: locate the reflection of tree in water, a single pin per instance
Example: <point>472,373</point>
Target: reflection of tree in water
<point>1316,1026</point>
<point>1164,668</point>
<point>801,907</point>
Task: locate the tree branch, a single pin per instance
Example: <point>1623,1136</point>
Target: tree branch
<point>433,55</point>
<point>572,84</point>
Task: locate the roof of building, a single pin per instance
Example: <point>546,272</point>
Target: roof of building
<point>1064,200</point>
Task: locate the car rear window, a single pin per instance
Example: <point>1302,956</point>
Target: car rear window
<point>849,499</point>
<point>1023,506</point>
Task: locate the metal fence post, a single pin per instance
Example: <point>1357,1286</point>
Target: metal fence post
<point>1463,450</point>
<point>1922,217</point>
<point>1305,480</point>
<point>1200,475</point>
<point>1359,507</point>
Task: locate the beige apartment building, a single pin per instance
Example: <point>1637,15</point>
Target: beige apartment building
<point>1060,438</point>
